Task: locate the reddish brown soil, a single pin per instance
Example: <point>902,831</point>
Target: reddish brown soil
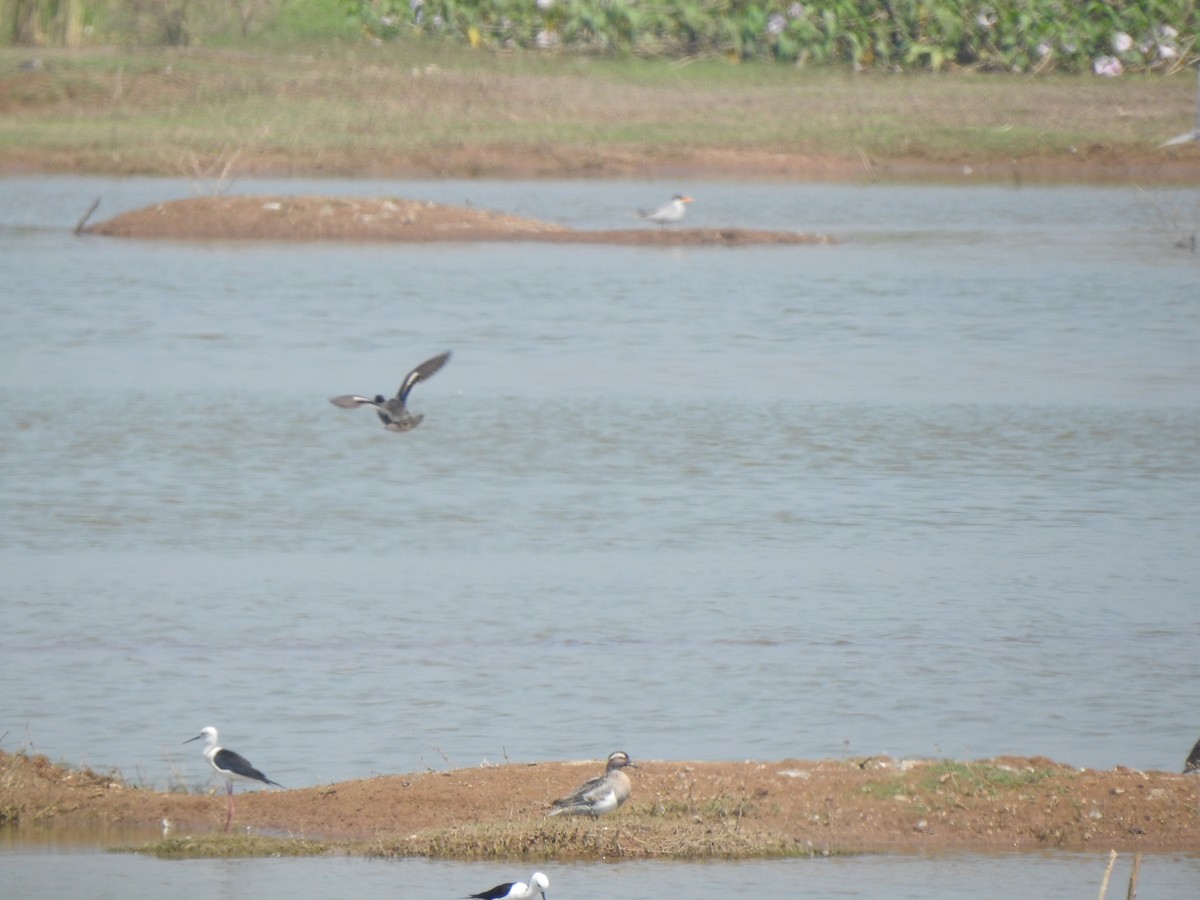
<point>392,219</point>
<point>678,808</point>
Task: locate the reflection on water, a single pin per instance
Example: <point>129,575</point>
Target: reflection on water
<point>932,491</point>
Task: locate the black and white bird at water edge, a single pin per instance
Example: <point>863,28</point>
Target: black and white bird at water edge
<point>516,890</point>
<point>1193,760</point>
<point>230,766</point>
<point>394,413</point>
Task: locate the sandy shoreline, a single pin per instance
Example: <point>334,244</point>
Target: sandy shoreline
<point>308,218</point>
<point>678,810</point>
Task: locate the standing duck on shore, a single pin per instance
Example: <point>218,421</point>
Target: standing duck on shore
<point>600,795</point>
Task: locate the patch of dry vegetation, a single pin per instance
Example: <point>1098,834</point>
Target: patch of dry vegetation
<point>32,789</point>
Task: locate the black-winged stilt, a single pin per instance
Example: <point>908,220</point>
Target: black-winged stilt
<point>516,890</point>
<point>230,766</point>
<point>393,413</point>
<point>1193,760</point>
<point>600,795</point>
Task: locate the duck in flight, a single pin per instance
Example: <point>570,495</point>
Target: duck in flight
<point>394,413</point>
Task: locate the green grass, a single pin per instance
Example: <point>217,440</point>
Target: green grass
<point>947,781</point>
<point>215,846</point>
<point>981,778</point>
<point>710,808</point>
<point>139,110</point>
<point>669,837</point>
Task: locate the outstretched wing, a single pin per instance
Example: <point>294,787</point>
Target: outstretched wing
<point>350,401</point>
<point>1181,139</point>
<point>420,373</point>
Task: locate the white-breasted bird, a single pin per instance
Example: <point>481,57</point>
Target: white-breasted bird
<point>516,890</point>
<point>667,214</point>
<point>230,766</point>
<point>600,795</point>
<point>1194,134</point>
<point>394,413</point>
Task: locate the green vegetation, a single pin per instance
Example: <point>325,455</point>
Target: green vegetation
<point>1000,35</point>
<point>208,88</point>
<point>722,806</point>
<point>660,838</point>
<point>210,846</point>
<point>76,23</point>
<point>948,782</point>
<point>421,105</point>
<point>1024,36</point>
<point>973,779</point>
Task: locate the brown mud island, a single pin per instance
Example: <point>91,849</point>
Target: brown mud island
<point>307,218</point>
<point>680,810</point>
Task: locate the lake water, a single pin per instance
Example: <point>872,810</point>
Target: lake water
<point>931,491</point>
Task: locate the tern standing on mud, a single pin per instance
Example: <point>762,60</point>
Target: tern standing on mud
<point>669,214</point>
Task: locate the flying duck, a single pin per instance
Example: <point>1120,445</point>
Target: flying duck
<point>393,413</point>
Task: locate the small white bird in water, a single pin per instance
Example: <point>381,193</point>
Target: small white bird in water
<point>668,214</point>
<point>600,795</point>
<point>230,766</point>
<point>393,413</point>
<point>1194,134</point>
<point>516,890</point>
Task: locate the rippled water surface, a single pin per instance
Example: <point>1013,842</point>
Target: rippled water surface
<point>931,491</point>
<point>958,877</point>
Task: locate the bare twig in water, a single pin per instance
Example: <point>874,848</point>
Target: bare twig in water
<point>866,162</point>
<point>1131,894</point>
<point>87,215</point>
<point>1112,858</point>
<point>1178,223</point>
